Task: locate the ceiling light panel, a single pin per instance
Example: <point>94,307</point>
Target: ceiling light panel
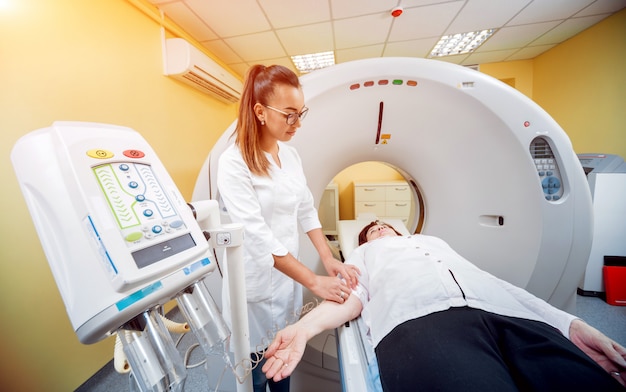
<point>310,62</point>
<point>460,43</point>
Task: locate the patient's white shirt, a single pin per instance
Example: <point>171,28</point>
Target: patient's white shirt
<point>403,278</point>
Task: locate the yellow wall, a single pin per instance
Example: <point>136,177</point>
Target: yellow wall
<point>582,84</point>
<point>517,74</point>
<point>76,60</point>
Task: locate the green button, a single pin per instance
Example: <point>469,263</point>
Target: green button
<point>132,237</point>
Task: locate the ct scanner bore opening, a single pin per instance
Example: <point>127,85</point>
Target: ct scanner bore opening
<point>373,172</point>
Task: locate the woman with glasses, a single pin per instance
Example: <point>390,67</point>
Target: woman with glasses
<point>439,323</point>
<point>262,186</point>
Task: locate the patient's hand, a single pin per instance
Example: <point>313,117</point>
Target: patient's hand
<point>606,352</point>
<point>284,353</point>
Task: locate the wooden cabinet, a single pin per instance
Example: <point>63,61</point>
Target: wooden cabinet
<point>329,209</point>
<point>386,199</point>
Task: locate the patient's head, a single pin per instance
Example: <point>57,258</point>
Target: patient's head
<point>376,229</point>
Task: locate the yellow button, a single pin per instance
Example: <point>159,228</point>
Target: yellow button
<point>99,153</point>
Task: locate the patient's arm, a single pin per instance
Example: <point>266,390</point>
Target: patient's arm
<point>286,351</point>
<point>607,353</point>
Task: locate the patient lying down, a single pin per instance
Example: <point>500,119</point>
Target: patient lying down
<point>437,322</point>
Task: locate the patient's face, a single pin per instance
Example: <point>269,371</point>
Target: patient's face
<point>379,231</point>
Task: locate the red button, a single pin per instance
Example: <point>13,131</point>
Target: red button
<point>134,154</point>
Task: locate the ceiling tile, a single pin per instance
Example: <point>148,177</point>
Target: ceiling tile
<point>295,12</point>
<point>307,39</point>
<point>361,31</point>
<point>257,47</point>
<point>474,18</point>
<point>341,9</point>
<point>363,52</point>
<point>602,7</point>
<point>423,22</point>
<point>231,18</point>
<point>547,10</point>
<point>413,48</point>
<point>515,37</point>
<point>567,29</point>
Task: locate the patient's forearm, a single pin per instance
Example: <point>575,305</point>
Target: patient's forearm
<point>330,315</point>
<point>285,352</point>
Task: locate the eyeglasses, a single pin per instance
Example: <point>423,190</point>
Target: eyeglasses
<point>291,118</point>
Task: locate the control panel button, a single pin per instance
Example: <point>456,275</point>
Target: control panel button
<point>547,168</point>
<point>100,153</point>
<point>551,185</point>
<point>176,224</point>
<point>136,154</point>
<point>132,237</point>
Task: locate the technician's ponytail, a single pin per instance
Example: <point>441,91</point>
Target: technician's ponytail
<point>258,87</point>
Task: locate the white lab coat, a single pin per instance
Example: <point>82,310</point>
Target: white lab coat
<point>270,209</point>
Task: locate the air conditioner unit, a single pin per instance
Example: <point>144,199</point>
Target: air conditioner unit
<point>188,64</point>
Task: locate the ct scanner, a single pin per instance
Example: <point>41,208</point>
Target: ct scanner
<point>498,177</point>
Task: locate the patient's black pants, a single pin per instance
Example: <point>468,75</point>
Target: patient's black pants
<point>463,349</point>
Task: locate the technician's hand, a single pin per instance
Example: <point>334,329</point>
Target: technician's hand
<point>284,353</point>
<point>331,288</point>
<point>348,272</point>
<point>607,353</point>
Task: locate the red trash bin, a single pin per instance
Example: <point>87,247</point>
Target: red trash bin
<point>614,272</point>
